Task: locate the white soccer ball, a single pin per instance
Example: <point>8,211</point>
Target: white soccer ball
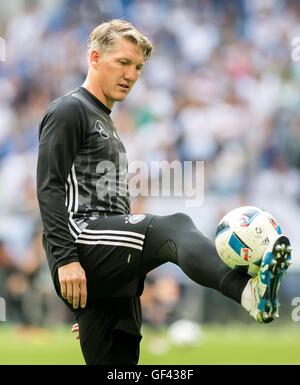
<point>242,237</point>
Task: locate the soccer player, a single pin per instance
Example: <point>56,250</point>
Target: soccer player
<point>98,253</point>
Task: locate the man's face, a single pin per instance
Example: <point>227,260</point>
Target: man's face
<point>118,70</point>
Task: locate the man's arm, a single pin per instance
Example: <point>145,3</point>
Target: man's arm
<point>61,133</point>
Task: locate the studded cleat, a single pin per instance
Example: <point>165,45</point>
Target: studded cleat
<point>265,286</point>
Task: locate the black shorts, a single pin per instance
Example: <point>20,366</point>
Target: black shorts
<point>110,331</point>
<point>110,250</point>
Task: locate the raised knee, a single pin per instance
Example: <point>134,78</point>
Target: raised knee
<point>184,232</point>
<point>181,219</point>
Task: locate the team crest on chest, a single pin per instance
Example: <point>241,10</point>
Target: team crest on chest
<point>102,131</point>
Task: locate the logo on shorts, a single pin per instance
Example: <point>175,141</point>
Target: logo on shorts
<point>102,131</point>
<point>133,219</point>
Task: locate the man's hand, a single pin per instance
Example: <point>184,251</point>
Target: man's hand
<point>75,330</point>
<point>72,281</point>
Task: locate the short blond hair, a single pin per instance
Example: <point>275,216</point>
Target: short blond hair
<point>104,36</point>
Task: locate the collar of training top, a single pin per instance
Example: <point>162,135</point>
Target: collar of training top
<point>95,100</point>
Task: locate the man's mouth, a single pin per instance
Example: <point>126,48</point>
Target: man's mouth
<point>125,86</point>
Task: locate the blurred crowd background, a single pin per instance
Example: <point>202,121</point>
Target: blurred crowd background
<point>221,87</point>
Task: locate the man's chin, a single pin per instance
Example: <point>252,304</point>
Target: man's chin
<point>120,98</point>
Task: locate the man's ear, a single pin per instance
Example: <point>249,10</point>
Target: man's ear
<point>94,56</point>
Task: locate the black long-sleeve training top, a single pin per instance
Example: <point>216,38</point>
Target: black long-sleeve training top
<point>81,173</point>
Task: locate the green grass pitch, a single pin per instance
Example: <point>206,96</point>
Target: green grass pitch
<point>234,344</point>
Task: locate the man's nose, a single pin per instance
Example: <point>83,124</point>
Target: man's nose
<point>131,74</point>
